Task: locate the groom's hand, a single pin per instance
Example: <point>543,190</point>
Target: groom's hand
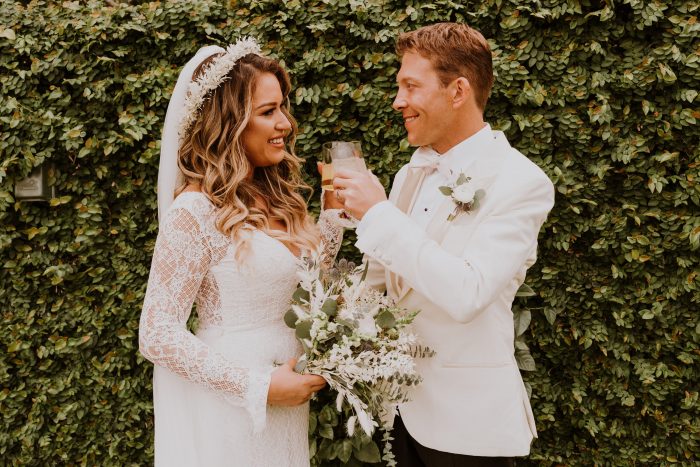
<point>358,191</point>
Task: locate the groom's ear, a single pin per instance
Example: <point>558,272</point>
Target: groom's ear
<point>461,92</point>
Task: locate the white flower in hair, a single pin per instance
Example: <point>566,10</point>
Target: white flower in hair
<point>215,74</point>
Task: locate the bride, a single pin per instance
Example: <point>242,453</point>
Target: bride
<point>232,227</point>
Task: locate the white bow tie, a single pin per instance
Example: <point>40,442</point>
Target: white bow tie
<point>430,161</point>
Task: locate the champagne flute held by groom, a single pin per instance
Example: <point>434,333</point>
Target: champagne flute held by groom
<point>454,240</point>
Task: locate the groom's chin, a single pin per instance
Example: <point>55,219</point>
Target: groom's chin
<point>413,140</point>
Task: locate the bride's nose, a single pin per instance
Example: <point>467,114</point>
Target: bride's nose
<point>283,124</point>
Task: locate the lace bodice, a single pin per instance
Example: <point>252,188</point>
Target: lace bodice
<point>193,263</point>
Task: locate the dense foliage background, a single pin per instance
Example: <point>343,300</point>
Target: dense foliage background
<point>602,94</point>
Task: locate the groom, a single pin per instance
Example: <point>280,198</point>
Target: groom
<point>460,257</point>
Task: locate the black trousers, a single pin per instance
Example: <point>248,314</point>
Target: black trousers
<point>410,453</point>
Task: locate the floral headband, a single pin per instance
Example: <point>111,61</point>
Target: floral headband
<point>215,74</point>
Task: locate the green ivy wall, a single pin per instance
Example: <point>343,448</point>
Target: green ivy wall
<point>603,95</point>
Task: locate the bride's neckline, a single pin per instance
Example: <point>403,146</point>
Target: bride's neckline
<point>291,253</point>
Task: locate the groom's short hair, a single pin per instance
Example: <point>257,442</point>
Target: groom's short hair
<point>455,50</point>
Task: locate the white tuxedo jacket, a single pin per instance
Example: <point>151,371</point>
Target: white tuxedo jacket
<point>463,276</point>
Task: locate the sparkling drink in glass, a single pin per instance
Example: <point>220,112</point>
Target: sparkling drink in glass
<point>340,155</point>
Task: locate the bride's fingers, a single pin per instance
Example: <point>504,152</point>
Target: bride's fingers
<point>318,387</point>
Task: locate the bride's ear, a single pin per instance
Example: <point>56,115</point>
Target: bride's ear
<point>461,91</point>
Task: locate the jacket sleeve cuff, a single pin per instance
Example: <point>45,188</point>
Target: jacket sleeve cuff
<point>378,238</point>
<point>372,216</point>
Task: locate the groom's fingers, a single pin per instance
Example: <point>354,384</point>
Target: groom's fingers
<point>344,178</point>
<point>376,181</point>
<point>359,191</point>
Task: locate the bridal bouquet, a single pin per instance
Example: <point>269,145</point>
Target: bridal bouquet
<point>357,339</point>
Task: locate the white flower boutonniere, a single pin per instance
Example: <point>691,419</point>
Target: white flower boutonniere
<point>465,198</point>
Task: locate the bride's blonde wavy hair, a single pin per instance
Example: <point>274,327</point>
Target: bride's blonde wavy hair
<point>212,156</point>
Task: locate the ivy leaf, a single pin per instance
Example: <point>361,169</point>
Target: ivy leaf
<point>525,291</point>
<point>550,314</point>
<point>521,320</point>
<point>8,34</point>
<point>368,453</point>
<point>345,451</point>
<point>328,416</point>
<point>525,360</point>
<point>326,431</point>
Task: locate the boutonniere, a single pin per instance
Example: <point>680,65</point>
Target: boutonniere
<point>465,198</point>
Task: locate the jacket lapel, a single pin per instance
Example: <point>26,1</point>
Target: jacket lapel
<point>405,201</point>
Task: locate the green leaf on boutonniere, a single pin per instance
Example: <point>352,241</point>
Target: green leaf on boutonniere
<point>478,196</point>
<point>462,179</point>
<point>446,190</point>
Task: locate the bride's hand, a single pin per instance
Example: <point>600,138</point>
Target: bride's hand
<point>289,388</point>
<point>330,201</point>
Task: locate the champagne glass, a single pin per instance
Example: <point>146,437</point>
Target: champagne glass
<point>340,155</point>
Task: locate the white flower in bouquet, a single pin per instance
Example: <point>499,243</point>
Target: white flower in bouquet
<point>367,327</point>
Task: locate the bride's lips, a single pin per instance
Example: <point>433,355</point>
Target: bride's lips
<point>277,142</point>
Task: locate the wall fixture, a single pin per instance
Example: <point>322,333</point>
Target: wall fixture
<point>36,186</point>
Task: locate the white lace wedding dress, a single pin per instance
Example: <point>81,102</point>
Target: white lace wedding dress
<point>210,389</point>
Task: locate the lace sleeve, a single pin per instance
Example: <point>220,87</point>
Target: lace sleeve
<point>331,235</point>
<point>181,259</point>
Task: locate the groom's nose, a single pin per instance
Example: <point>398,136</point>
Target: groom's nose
<point>399,102</point>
